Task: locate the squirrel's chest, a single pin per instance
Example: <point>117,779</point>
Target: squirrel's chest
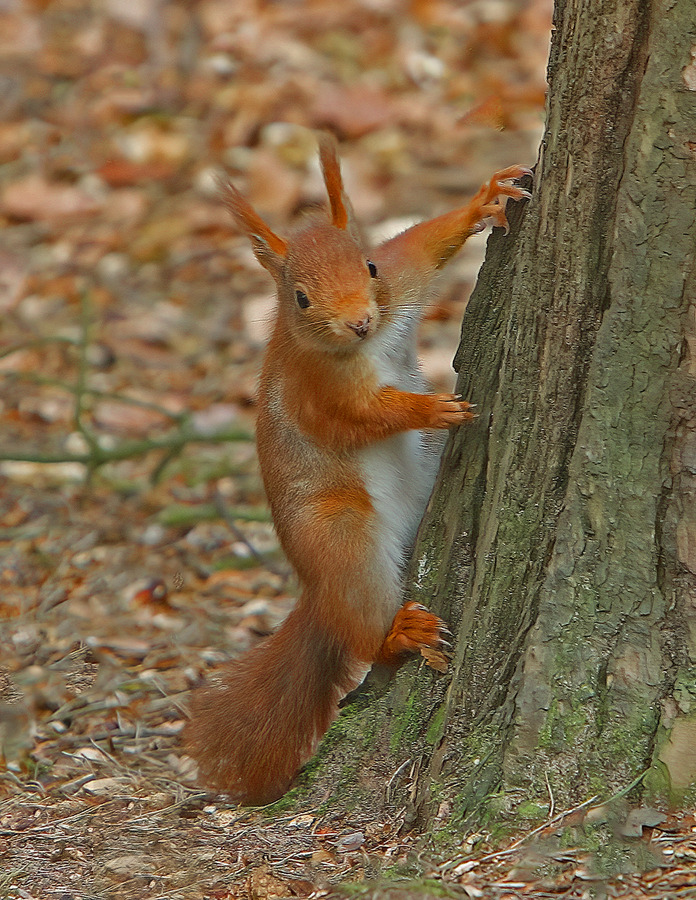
<point>399,471</point>
<point>392,353</point>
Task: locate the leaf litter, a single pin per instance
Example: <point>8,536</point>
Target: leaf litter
<point>136,550</point>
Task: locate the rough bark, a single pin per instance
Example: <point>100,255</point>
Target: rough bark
<point>561,538</point>
<point>570,513</point>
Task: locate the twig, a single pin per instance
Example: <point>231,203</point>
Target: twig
<point>86,432</point>
<point>96,455</point>
<point>552,801</point>
<point>99,456</point>
<point>44,380</point>
<point>50,826</point>
<point>38,342</point>
<point>501,854</point>
<point>167,457</point>
<point>182,514</point>
<point>622,793</point>
<point>225,514</point>
<point>401,769</point>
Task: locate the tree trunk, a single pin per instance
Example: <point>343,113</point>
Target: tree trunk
<point>560,542</point>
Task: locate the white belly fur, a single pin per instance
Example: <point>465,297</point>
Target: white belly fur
<point>399,472</point>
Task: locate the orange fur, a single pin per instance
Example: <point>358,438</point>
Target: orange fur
<point>339,388</point>
<point>334,183</point>
<point>428,246</point>
<point>413,628</point>
<point>252,733</point>
<point>250,221</point>
<point>367,413</point>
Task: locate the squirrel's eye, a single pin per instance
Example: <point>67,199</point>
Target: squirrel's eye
<point>302,299</point>
<point>373,269</point>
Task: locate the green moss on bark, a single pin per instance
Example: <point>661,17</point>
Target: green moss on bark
<point>559,541</point>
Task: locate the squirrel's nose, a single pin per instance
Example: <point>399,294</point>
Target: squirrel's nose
<point>362,327</point>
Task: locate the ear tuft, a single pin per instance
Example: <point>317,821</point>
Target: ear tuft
<point>270,250</point>
<point>331,170</point>
<point>249,220</point>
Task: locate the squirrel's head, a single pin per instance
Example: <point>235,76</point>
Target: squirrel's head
<point>330,292</point>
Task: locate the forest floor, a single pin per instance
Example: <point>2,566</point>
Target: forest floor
<point>136,549</point>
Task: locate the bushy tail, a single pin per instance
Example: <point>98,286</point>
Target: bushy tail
<point>253,732</point>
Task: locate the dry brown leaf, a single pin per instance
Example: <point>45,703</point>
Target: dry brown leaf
<point>264,885</point>
<point>35,198</point>
<point>435,659</point>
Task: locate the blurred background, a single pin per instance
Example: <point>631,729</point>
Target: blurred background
<point>134,536</point>
<point>116,118</point>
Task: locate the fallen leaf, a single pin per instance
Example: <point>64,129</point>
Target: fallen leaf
<point>435,659</point>
<point>263,884</point>
<point>643,817</point>
<point>103,785</point>
<point>352,111</point>
<point>130,864</point>
<point>13,277</point>
<point>350,842</point>
<point>36,198</point>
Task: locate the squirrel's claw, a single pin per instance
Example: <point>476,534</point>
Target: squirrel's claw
<point>415,630</point>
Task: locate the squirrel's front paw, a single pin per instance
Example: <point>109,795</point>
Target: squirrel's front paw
<point>415,630</point>
<point>500,188</point>
<point>450,409</point>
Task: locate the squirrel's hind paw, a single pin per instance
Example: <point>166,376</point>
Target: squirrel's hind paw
<point>415,630</point>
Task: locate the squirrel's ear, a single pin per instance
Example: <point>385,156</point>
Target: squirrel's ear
<point>342,215</point>
<point>269,249</point>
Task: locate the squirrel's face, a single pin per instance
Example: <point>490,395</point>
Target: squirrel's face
<point>331,289</point>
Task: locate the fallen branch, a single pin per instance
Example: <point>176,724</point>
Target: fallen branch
<point>99,456</point>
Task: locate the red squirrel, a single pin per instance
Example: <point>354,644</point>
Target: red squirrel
<point>347,469</point>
